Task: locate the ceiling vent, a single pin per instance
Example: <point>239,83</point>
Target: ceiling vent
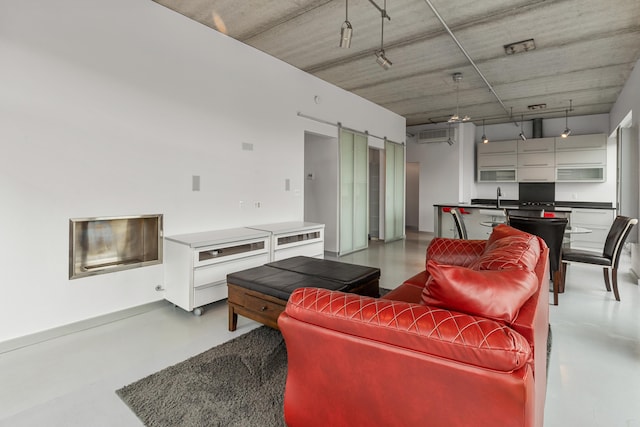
<point>432,136</point>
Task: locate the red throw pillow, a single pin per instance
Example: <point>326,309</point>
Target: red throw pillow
<point>503,230</point>
<point>494,294</point>
<point>517,251</point>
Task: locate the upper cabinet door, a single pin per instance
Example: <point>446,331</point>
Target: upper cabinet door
<point>537,145</point>
<point>498,147</point>
<point>582,142</point>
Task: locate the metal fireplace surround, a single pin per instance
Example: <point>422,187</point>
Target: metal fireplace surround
<point>106,244</point>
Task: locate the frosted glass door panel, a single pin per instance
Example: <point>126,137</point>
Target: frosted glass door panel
<point>361,193</point>
<point>353,192</point>
<point>346,191</point>
<point>394,190</point>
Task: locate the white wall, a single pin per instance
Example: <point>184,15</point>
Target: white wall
<point>321,185</point>
<point>446,171</point>
<point>109,107</point>
<point>629,102</point>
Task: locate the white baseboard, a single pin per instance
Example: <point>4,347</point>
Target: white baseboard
<point>49,334</point>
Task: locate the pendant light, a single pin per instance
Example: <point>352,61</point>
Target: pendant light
<point>485,140</point>
<point>347,30</point>
<point>381,59</point>
<point>457,78</point>
<point>567,131</point>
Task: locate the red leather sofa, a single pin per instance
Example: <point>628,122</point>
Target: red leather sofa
<point>462,343</point>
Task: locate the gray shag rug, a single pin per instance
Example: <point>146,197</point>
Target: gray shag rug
<point>239,383</point>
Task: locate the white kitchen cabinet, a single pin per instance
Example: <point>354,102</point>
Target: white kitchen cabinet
<point>537,145</point>
<point>584,158</point>
<point>598,221</point>
<point>581,158</point>
<point>447,226</point>
<point>536,174</point>
<point>536,160</point>
<point>497,161</point>
<point>474,222</point>
<point>536,166</point>
<point>582,142</point>
<point>503,161</point>
<point>498,147</point>
<point>196,265</point>
<point>296,238</point>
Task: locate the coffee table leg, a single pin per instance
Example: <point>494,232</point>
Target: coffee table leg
<point>233,319</point>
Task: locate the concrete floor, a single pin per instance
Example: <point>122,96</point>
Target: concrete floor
<point>594,375</point>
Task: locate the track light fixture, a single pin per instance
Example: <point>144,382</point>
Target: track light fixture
<point>485,140</point>
<point>567,131</point>
<point>457,77</point>
<point>347,30</point>
<point>522,136</point>
<point>381,59</point>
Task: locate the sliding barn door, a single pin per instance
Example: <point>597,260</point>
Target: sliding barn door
<point>354,164</point>
<point>394,191</point>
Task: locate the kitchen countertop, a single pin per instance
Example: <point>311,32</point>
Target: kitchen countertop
<point>515,204</point>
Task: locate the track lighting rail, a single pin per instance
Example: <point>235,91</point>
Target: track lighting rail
<point>473,64</point>
<point>383,11</point>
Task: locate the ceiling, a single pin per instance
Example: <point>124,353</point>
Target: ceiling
<point>584,51</point>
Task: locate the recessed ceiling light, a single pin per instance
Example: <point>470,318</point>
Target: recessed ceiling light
<point>519,47</point>
<point>537,106</point>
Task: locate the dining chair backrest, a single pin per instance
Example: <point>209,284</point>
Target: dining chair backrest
<point>618,233</point>
<point>528,212</point>
<point>459,222</point>
<point>551,230</point>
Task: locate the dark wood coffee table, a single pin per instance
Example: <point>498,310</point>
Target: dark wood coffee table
<point>261,293</point>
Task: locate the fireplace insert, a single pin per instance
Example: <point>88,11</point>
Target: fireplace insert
<point>106,244</point>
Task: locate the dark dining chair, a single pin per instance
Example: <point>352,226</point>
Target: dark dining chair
<point>610,256</point>
<point>551,230</point>
<point>528,212</point>
<point>459,222</point>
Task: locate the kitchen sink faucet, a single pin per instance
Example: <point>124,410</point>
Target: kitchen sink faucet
<point>498,194</point>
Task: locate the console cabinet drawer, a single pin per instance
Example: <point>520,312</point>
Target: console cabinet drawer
<point>196,264</point>
<point>217,273</point>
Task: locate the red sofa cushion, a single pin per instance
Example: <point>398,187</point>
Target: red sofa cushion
<point>426,329</point>
<point>455,251</point>
<point>497,295</point>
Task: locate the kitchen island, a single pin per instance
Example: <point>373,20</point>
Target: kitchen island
<point>594,216</point>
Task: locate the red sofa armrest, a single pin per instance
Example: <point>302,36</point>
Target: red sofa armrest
<point>455,251</point>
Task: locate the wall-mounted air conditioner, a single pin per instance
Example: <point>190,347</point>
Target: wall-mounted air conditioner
<point>432,136</point>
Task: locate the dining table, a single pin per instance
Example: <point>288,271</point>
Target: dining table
<point>567,230</point>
